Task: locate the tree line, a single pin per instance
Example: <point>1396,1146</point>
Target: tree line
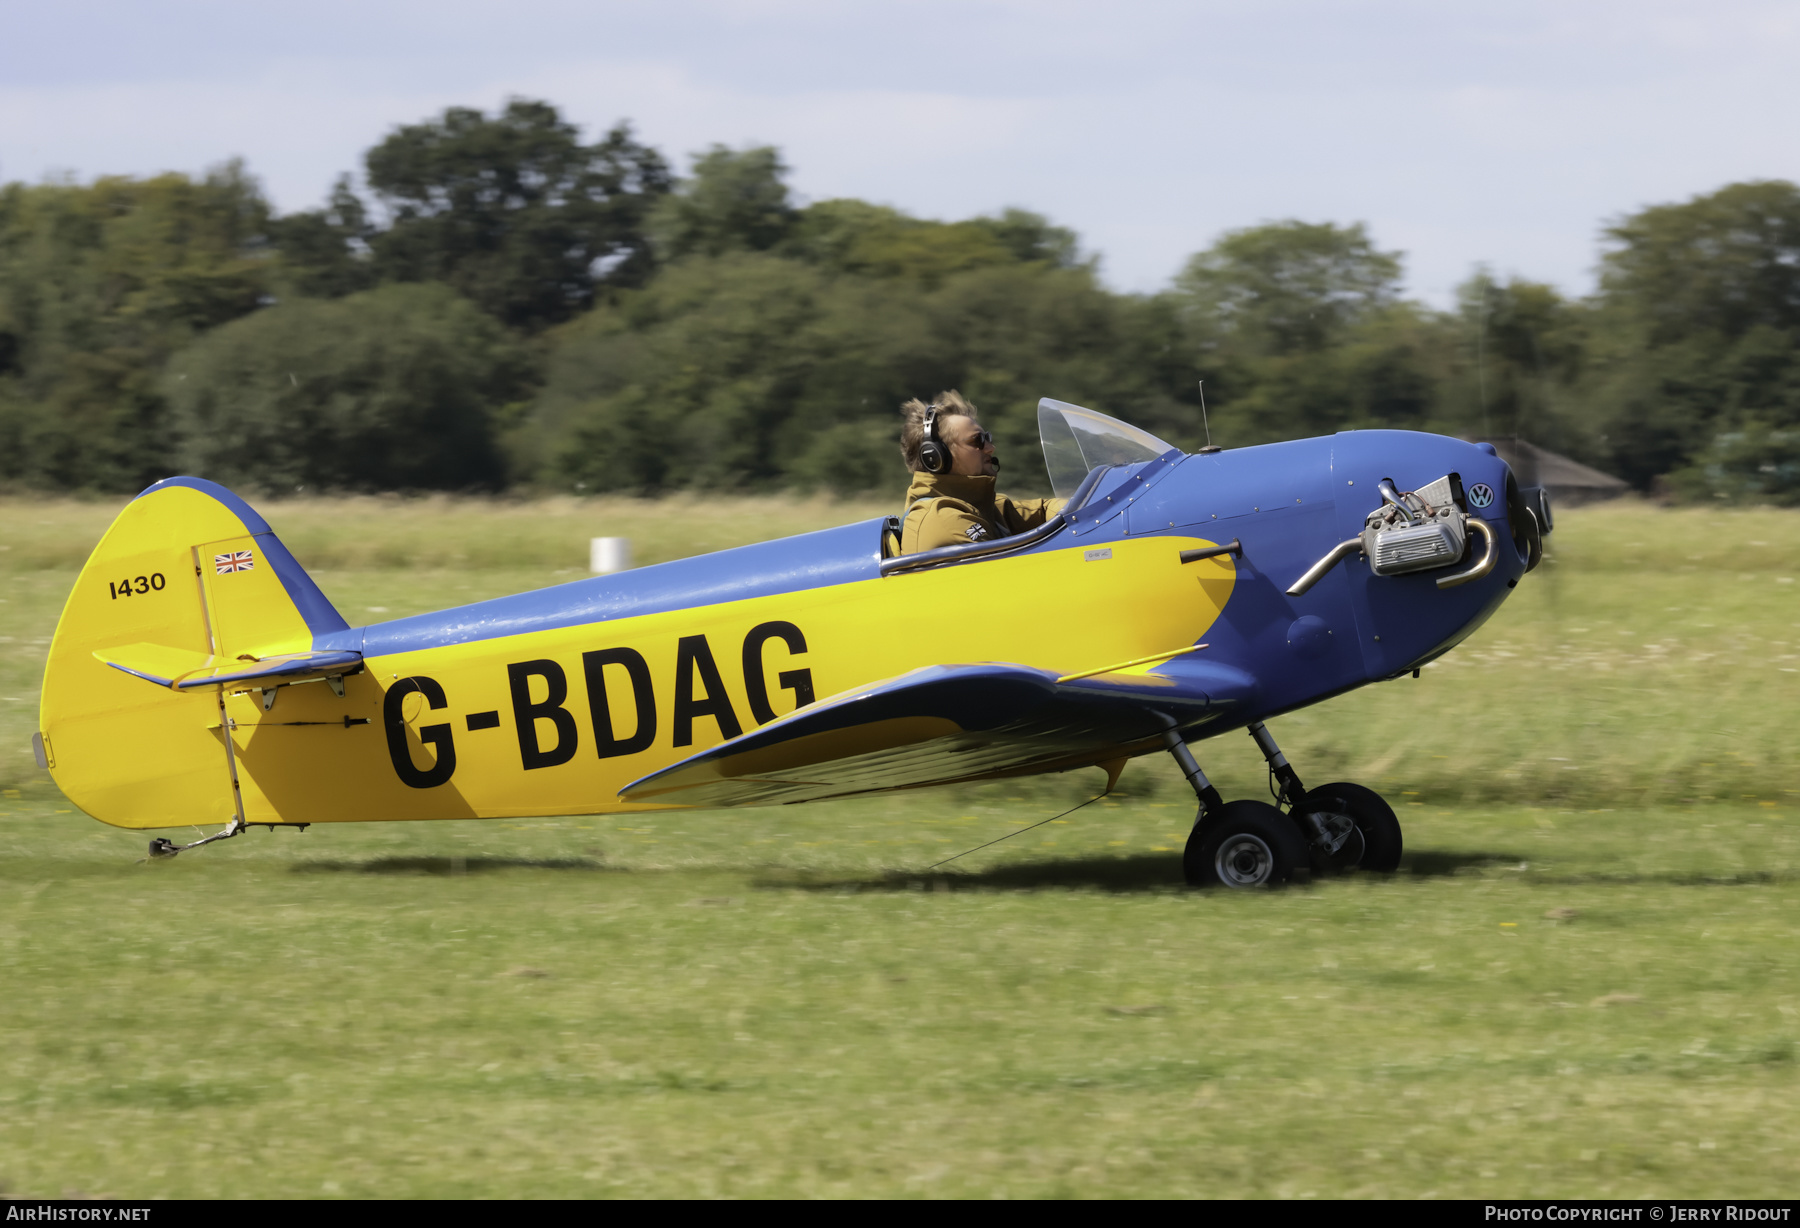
<point>501,304</point>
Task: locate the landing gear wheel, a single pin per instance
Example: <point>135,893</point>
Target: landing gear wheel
<point>1373,839</point>
<point>1246,844</point>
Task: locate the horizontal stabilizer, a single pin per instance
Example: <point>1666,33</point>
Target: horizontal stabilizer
<point>944,724</point>
<point>181,669</point>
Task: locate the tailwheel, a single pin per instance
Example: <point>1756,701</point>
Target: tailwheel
<point>162,847</point>
<point>1244,844</point>
<point>1349,827</point>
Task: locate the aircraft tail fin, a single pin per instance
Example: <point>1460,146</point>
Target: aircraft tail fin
<point>187,574</point>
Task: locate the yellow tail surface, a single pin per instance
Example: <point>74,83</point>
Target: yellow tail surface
<point>187,579</point>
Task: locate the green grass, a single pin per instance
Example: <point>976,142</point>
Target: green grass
<point>764,1005</point>
<point>1584,981</point>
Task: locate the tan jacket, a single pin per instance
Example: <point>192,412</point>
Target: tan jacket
<point>948,509</point>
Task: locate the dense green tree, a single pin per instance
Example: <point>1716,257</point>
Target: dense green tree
<point>1696,329</point>
<point>738,201</point>
<point>855,237</point>
<point>736,371</point>
<point>505,288</point>
<point>512,211</point>
<point>1751,463</point>
<point>1298,330</point>
<point>98,285</point>
<point>753,370</point>
<point>396,388</point>
<point>1391,370</point>
<point>1724,263</point>
<point>1032,239</point>
<point>1011,334</point>
<point>325,253</point>
<point>733,200</point>
<point>1513,353</point>
<point>1288,287</point>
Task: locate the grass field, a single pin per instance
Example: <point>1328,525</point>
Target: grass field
<point>1584,981</point>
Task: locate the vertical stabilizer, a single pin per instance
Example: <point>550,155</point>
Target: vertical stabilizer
<point>187,566</point>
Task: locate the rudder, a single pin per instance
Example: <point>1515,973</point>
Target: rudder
<point>190,573</point>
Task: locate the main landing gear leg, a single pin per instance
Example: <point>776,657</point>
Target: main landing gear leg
<point>1210,801</point>
<point>1286,782</point>
<point>1233,844</point>
<point>1346,826</point>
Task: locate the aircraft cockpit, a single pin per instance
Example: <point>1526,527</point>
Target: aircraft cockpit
<point>1078,441</point>
<point>1090,458</point>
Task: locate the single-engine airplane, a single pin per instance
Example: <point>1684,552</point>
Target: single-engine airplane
<point>197,671</point>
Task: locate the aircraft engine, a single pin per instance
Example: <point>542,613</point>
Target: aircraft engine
<point>1415,530</point>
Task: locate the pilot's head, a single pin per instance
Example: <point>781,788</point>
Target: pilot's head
<point>962,447</point>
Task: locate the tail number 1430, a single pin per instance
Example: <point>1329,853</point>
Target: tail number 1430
<point>152,583</point>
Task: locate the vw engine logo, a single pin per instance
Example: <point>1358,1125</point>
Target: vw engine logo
<point>1481,495</point>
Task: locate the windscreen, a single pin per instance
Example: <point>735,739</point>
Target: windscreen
<point>1077,440</point>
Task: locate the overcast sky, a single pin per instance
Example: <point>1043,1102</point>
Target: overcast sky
<point>1505,133</point>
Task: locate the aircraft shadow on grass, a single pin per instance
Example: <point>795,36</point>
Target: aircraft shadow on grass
<point>445,867</point>
<point>1143,872</point>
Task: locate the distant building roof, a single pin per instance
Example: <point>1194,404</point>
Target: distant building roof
<point>1570,482</point>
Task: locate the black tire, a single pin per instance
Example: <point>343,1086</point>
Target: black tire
<point>1374,819</point>
<point>1246,844</point>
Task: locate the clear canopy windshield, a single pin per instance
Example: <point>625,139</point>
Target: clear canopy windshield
<point>1078,440</point>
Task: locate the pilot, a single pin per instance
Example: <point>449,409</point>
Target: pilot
<point>952,501</point>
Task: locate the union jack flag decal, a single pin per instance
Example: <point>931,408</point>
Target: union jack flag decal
<point>242,560</point>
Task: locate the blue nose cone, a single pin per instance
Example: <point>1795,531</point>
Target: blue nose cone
<point>1293,504</point>
<point>1406,620</point>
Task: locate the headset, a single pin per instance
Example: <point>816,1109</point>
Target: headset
<point>932,453</point>
<point>931,450</point>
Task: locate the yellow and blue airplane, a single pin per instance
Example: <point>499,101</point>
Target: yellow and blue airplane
<point>198,673</point>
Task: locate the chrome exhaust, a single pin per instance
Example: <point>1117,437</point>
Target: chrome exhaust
<point>1316,572</point>
<point>1489,557</point>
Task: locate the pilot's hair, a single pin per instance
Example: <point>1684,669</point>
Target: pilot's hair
<point>912,425</point>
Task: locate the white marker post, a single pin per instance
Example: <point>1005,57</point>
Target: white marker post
<point>609,554</point>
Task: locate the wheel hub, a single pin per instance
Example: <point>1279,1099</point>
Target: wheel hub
<point>1244,861</point>
<point>1337,842</point>
<point>1332,831</point>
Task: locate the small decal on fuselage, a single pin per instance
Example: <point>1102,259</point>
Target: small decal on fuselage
<point>1481,495</point>
<point>1094,556</point>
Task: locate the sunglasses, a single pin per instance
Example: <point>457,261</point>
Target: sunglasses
<point>981,440</point>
